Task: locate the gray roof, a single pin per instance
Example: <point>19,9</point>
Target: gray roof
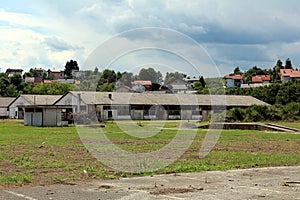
<point>5,101</point>
<point>41,99</point>
<point>102,98</point>
<point>179,87</point>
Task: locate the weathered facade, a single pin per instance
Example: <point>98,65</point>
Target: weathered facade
<point>45,115</point>
<point>17,112</point>
<point>145,106</point>
<point>4,106</point>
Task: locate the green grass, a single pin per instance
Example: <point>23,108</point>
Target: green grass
<point>36,155</point>
<point>18,179</point>
<point>290,124</point>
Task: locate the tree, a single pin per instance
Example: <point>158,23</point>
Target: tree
<point>151,75</point>
<point>96,70</point>
<point>126,78</point>
<point>237,71</point>
<point>69,67</point>
<point>276,71</point>
<point>106,87</point>
<point>173,76</point>
<point>53,88</point>
<point>17,80</point>
<point>288,64</point>
<point>11,91</point>
<point>279,64</point>
<point>253,72</point>
<point>202,81</point>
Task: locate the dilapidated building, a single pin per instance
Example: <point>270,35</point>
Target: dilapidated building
<point>4,106</point>
<point>145,106</point>
<point>16,111</point>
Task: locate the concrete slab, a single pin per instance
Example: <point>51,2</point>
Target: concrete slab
<point>265,183</point>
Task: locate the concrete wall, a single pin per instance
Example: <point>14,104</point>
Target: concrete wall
<point>33,119</point>
<point>137,114</point>
<point>48,117</point>
<point>13,109</point>
<point>114,114</point>
<point>229,83</point>
<point>51,117</point>
<point>186,114</point>
<point>71,100</point>
<point>3,113</point>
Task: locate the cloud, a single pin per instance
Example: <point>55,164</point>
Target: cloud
<point>233,32</point>
<point>58,44</point>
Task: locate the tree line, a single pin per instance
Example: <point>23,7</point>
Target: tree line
<point>90,80</point>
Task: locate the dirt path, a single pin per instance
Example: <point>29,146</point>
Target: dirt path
<point>265,183</point>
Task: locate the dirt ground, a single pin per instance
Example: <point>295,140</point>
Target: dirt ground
<point>264,183</point>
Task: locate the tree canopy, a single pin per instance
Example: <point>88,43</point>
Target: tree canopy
<point>150,74</point>
<point>69,67</point>
<point>173,76</point>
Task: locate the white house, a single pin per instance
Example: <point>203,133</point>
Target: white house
<point>234,80</point>
<point>17,112</point>
<point>4,105</point>
<point>11,72</point>
<point>180,86</point>
<point>191,81</point>
<point>289,74</point>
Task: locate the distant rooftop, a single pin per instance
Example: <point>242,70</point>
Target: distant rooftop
<point>235,76</point>
<point>261,78</point>
<point>290,73</point>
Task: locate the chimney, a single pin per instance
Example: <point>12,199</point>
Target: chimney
<point>78,103</point>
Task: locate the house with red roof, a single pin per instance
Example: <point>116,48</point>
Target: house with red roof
<point>261,79</point>
<point>142,83</point>
<point>289,74</point>
<point>234,80</point>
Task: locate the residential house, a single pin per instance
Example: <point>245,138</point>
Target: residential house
<point>180,86</point>
<point>191,81</point>
<point>38,72</point>
<point>11,72</point>
<point>289,74</point>
<point>17,112</point>
<point>234,80</point>
<point>261,79</point>
<point>4,106</point>
<point>78,74</point>
<point>56,74</point>
<point>145,83</point>
<point>36,77</point>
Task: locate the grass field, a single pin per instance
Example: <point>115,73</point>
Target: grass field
<point>36,155</point>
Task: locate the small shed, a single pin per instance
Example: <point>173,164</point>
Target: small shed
<point>17,112</point>
<point>4,105</point>
<point>47,115</point>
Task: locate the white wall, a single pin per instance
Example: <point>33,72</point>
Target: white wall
<point>70,100</point>
<point>33,119</point>
<point>13,109</point>
<point>3,112</point>
<point>229,83</point>
<point>51,117</point>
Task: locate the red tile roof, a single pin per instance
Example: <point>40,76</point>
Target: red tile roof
<point>235,76</point>
<point>290,72</point>
<point>142,82</point>
<point>261,78</point>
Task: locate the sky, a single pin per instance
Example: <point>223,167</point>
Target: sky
<point>209,37</point>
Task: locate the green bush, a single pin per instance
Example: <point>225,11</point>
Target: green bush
<point>290,112</point>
